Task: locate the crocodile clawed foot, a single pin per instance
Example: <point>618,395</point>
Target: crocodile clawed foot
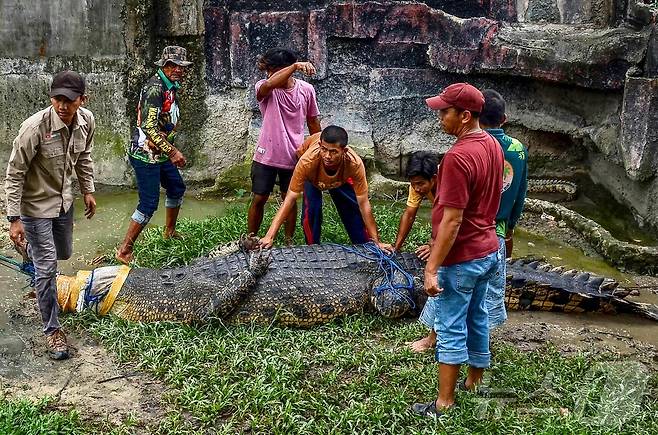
<point>249,242</point>
<point>259,261</point>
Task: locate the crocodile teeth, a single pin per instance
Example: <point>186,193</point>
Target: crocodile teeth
<point>558,269</point>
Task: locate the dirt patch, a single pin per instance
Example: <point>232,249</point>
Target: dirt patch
<point>595,334</point>
<point>91,381</point>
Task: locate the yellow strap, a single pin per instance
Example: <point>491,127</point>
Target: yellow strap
<point>68,290</point>
<point>108,301</point>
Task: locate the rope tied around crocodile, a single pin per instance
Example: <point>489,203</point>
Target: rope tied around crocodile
<point>400,289</point>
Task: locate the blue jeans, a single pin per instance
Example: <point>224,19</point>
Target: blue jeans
<point>149,178</point>
<point>348,209</point>
<point>495,296</point>
<point>462,320</point>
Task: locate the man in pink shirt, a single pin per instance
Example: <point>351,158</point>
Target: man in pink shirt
<point>286,104</point>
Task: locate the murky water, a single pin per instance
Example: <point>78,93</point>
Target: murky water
<point>596,203</point>
<point>102,233</point>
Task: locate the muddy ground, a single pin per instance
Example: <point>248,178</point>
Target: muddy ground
<point>101,389</point>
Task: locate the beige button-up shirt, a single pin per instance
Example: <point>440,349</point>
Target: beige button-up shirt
<point>44,155</point>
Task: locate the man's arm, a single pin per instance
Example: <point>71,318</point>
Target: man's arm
<point>280,78</point>
<point>313,124</point>
<point>369,221</point>
<point>23,151</point>
<point>84,169</point>
<point>406,221</point>
<point>445,238</point>
<point>279,218</point>
<point>519,202</point>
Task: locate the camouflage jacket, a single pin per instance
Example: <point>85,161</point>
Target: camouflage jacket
<point>157,119</point>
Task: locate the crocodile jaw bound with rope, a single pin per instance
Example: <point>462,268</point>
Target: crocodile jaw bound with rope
<point>309,285</point>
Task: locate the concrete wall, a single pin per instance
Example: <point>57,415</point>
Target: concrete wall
<point>40,38</point>
<point>577,74</point>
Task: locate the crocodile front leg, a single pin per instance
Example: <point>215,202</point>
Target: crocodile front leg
<point>227,299</point>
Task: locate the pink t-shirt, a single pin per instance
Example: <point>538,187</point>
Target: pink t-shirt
<point>284,117</point>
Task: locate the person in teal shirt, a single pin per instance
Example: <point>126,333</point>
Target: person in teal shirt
<point>515,184</point>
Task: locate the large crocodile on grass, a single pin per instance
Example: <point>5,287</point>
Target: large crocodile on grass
<point>309,285</point>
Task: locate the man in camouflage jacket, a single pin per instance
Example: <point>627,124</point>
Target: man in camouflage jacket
<point>151,151</point>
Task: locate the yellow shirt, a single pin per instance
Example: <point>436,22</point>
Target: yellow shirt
<point>415,199</point>
<point>42,161</point>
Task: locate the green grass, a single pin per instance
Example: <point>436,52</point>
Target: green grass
<point>351,376</point>
<point>44,417</point>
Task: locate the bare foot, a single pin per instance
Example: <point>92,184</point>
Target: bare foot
<point>124,257</point>
<point>425,343</point>
<point>172,235</point>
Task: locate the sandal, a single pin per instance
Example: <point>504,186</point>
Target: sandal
<point>478,389</point>
<point>429,409</point>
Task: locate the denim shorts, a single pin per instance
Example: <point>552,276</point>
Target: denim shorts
<point>495,296</point>
<point>462,320</point>
<point>496,291</point>
<point>150,176</point>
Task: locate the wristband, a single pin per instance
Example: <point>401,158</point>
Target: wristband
<point>13,218</point>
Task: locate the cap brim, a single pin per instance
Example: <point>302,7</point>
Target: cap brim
<point>68,93</point>
<point>437,103</point>
<point>162,62</point>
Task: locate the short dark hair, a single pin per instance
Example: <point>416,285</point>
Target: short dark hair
<point>422,164</point>
<point>278,58</point>
<point>334,134</point>
<point>493,112</point>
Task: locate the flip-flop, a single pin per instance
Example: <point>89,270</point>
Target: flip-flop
<point>429,409</point>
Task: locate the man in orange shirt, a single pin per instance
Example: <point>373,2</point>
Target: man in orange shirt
<point>327,163</point>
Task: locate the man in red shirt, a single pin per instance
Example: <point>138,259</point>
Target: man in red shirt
<point>464,254</point>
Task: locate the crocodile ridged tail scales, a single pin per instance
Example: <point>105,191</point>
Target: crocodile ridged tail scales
<point>566,188</point>
<point>536,286</point>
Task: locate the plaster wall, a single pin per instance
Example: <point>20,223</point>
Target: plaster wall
<point>40,38</point>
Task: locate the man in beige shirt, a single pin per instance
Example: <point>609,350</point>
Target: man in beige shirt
<point>50,145</point>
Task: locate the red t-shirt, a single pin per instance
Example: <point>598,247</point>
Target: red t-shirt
<point>471,178</point>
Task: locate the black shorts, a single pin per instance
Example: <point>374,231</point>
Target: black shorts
<point>263,178</point>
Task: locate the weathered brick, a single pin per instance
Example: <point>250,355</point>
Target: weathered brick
<point>218,63</point>
<point>252,34</point>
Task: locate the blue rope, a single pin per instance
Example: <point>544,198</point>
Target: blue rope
<point>389,267</point>
<point>26,268</point>
<point>90,300</point>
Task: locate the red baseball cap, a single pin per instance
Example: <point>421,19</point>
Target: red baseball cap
<point>460,95</point>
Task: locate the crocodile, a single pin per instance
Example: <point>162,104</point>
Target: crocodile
<point>625,255</point>
<point>309,285</point>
